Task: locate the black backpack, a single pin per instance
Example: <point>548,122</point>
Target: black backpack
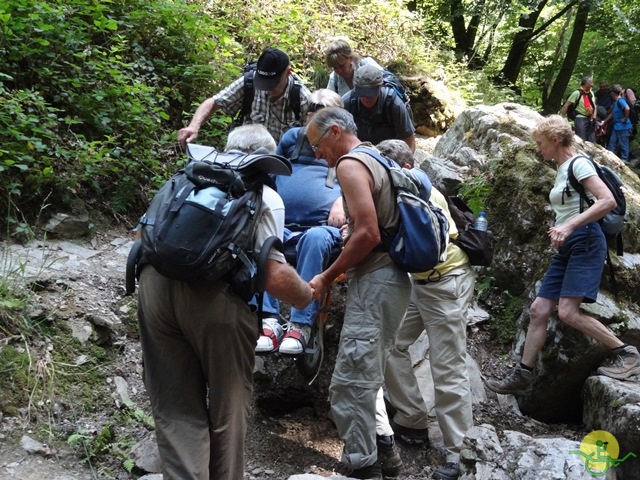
<point>249,93</point>
<point>391,80</point>
<point>477,244</point>
<point>201,224</point>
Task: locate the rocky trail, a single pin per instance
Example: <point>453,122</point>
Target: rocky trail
<point>81,288</point>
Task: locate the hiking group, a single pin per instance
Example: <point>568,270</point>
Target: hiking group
<point>608,117</point>
<point>325,180</point>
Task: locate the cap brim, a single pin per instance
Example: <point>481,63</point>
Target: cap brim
<point>367,91</point>
<point>264,83</point>
<point>261,160</point>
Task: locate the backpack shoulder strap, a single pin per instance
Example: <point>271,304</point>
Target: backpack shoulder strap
<point>294,99</point>
<point>295,155</point>
<point>387,105</point>
<point>249,93</point>
<point>576,185</point>
<point>370,151</point>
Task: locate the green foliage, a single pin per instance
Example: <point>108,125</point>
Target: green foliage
<point>91,94</point>
<point>504,315</point>
<point>475,192</point>
<point>95,445</point>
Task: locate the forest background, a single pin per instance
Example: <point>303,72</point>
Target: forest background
<point>93,92</point>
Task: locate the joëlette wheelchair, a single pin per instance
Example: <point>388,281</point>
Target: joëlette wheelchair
<point>309,363</point>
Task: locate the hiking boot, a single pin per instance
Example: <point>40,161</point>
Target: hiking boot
<point>411,436</point>
<point>448,471</point>
<point>372,472</point>
<point>519,382</point>
<point>296,338</point>
<point>272,333</point>
<point>624,365</point>
<point>388,456</point>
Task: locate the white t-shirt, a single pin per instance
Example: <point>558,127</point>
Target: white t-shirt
<point>271,222</point>
<point>339,84</point>
<point>566,207</point>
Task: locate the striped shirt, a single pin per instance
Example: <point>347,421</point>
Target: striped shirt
<point>275,115</point>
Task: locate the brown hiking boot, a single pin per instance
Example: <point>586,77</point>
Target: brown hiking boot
<point>518,382</point>
<point>624,365</point>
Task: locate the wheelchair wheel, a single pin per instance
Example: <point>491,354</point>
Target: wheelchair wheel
<point>308,364</point>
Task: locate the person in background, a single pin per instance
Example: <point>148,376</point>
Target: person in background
<point>573,277</point>
<point>621,131</point>
<point>378,111</point>
<point>273,84</point>
<point>377,294</point>
<point>585,106</point>
<point>603,97</point>
<point>439,302</point>
<point>344,63</point>
<point>313,217</point>
<point>198,343</point>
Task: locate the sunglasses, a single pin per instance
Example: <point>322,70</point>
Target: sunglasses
<point>314,107</point>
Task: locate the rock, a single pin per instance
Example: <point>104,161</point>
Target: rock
<point>33,447</point>
<point>63,225</point>
<point>146,456</point>
<point>122,391</point>
<point>614,406</point>
<point>520,457</point>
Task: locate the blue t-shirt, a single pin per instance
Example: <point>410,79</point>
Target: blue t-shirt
<point>312,188</point>
<point>618,115</point>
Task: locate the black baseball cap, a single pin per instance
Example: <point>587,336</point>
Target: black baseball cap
<point>271,65</point>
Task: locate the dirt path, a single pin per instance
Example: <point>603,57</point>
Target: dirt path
<point>82,285</point>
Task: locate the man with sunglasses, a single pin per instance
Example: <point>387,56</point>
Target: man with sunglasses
<point>272,105</point>
<point>313,217</point>
<point>377,294</point>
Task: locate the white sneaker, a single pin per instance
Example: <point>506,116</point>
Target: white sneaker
<point>272,334</point>
<point>296,339</point>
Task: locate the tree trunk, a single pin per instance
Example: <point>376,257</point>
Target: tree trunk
<point>557,56</point>
<point>554,102</point>
<point>511,70</point>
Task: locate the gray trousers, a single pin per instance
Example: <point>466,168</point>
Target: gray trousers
<point>375,304</point>
<point>440,309</point>
<point>198,350</point>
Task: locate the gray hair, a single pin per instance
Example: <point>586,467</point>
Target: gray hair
<point>339,49</point>
<point>249,138</point>
<point>586,79</point>
<point>325,118</point>
<point>617,89</point>
<point>326,97</point>
<point>397,150</point>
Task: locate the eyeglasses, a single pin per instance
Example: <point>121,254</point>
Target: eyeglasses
<point>316,145</point>
<point>314,107</point>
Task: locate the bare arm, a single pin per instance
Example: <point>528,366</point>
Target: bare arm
<point>357,184</point>
<point>565,107</point>
<point>604,204</point>
<point>203,113</point>
<point>411,141</point>
<point>285,284</point>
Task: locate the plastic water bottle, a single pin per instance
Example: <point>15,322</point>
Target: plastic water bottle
<point>481,222</point>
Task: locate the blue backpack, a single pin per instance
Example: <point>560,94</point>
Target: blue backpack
<point>420,242</point>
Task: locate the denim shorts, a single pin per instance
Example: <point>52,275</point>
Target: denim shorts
<point>576,269</point>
